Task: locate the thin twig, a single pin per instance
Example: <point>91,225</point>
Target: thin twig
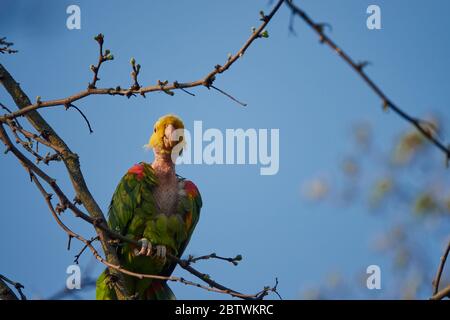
<point>233,261</point>
<point>440,269</point>
<point>9,110</point>
<point>31,136</point>
<point>27,145</point>
<point>134,75</point>
<point>5,107</point>
<point>77,256</point>
<point>444,293</point>
<point>359,69</point>
<point>419,124</point>
<point>102,57</point>
<point>18,286</point>
<point>205,81</point>
<point>82,114</point>
<point>228,95</point>
<point>5,46</point>
<point>177,85</point>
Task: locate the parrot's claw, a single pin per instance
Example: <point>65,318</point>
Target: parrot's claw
<point>146,248</point>
<point>161,252</point>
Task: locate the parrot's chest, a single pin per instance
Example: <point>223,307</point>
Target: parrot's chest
<point>166,197</point>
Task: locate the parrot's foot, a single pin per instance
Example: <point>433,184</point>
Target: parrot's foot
<point>146,248</point>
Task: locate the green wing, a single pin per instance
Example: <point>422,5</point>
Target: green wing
<point>132,198</point>
<point>189,208</point>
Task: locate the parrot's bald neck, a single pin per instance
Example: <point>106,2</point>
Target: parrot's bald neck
<point>164,166</point>
<point>166,193</point>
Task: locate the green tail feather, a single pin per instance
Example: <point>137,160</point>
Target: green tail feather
<point>145,289</point>
<point>159,290</point>
<point>103,290</point>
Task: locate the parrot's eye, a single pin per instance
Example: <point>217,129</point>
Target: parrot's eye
<point>154,130</point>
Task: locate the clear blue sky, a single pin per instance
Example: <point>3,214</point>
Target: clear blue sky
<point>291,83</point>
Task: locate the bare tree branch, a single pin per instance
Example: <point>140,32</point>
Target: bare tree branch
<point>5,291</point>
<point>422,126</point>
<point>82,114</point>
<point>441,267</point>
<point>5,46</point>
<point>444,293</point>
<point>319,28</point>
<point>206,81</point>
<point>33,170</point>
<point>48,137</point>
<point>72,164</point>
<point>233,261</point>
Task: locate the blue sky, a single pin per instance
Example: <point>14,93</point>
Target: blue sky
<point>290,83</point>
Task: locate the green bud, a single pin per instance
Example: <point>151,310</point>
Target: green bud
<point>107,52</point>
<point>238,258</point>
<point>264,34</point>
<point>132,61</point>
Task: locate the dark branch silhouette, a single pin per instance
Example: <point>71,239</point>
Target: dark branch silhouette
<point>387,103</point>
<point>5,291</point>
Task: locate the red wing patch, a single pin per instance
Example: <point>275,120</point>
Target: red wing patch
<point>191,189</point>
<point>138,170</point>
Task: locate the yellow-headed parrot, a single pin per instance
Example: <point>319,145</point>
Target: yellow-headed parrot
<point>157,208</point>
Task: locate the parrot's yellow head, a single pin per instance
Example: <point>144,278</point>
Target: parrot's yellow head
<point>168,132</point>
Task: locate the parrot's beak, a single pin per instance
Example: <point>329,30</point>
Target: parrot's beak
<point>169,137</point>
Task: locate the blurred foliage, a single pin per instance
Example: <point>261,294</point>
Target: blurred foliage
<point>382,187</point>
<point>404,183</point>
<point>316,189</point>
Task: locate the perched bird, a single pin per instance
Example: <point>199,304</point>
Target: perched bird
<point>157,208</point>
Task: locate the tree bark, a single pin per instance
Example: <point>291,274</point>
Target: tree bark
<point>72,164</point>
<point>6,292</point>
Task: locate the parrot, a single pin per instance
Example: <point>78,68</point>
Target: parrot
<point>157,208</point>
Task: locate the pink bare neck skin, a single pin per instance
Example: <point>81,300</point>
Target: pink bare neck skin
<point>163,165</point>
<point>166,193</point>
